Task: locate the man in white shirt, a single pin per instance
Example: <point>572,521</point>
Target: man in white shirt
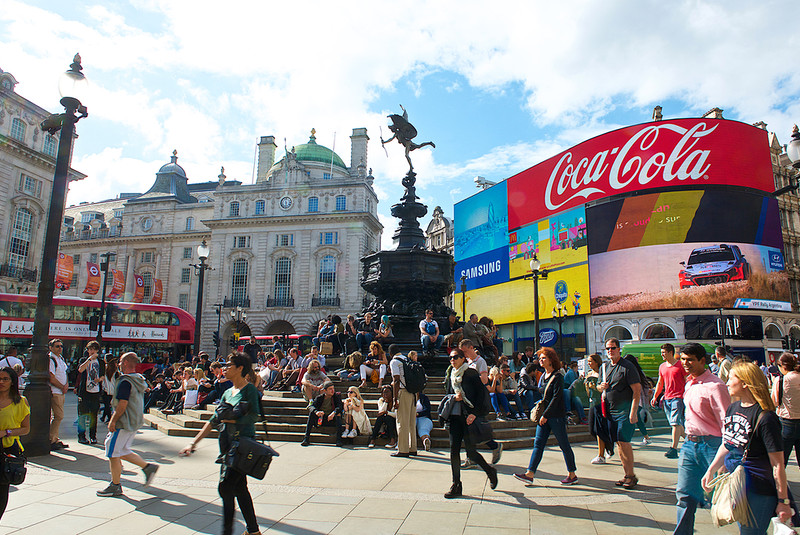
<point>10,358</point>
<point>58,388</point>
<point>405,403</point>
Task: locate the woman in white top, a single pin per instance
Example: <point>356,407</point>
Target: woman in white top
<point>786,395</point>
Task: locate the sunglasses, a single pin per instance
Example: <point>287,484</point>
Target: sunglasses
<point>611,348</point>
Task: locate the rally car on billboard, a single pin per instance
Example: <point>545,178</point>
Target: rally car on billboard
<point>713,265</point>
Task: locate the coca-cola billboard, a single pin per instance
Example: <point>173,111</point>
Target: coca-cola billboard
<point>664,154</point>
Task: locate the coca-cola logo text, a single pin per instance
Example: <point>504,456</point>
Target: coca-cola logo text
<point>637,160</point>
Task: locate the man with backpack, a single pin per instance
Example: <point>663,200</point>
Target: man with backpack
<point>408,379</point>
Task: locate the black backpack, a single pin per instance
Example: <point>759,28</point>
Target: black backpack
<point>414,375</point>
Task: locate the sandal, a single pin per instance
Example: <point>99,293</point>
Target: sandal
<point>631,482</point>
<point>622,482</point>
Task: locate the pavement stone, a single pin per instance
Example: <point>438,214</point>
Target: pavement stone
<point>325,489</point>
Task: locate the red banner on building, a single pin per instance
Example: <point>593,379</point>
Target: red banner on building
<point>157,292</point>
<point>138,292</point>
<point>64,272</point>
<point>93,280</point>
<point>119,285</point>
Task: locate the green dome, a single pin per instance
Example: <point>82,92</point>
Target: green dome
<point>311,152</point>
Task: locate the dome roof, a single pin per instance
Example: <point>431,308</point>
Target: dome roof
<point>311,152</point>
<point>172,166</point>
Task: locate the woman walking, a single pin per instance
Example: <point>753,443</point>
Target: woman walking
<point>472,401</point>
<point>554,418</point>
<point>751,424</point>
<point>236,415</point>
<point>786,396</point>
<point>15,415</point>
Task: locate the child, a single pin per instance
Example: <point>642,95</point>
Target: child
<point>386,417</point>
<point>356,420</point>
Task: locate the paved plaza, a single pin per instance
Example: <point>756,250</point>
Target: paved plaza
<point>324,489</point>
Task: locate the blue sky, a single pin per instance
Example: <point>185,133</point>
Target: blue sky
<point>498,90</point>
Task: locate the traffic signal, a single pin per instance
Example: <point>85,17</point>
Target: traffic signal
<point>785,342</point>
<point>110,310</point>
<point>216,338</point>
<point>236,336</point>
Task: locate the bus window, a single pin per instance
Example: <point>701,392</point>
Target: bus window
<point>63,312</point>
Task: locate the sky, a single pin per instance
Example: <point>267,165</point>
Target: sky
<point>499,87</point>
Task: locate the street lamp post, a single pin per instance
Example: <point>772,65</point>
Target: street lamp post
<point>202,254</point>
<point>463,298</point>
<point>536,273</point>
<point>217,341</point>
<point>560,314</point>
<point>238,315</point>
<point>71,86</point>
<point>106,258</point>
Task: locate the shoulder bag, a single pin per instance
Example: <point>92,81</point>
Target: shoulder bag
<point>12,467</point>
<point>539,408</point>
<point>250,456</point>
<point>729,495</point>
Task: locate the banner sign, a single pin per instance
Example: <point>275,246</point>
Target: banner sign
<point>674,153</point>
<point>119,285</point>
<point>81,330</point>
<point>763,304</point>
<point>158,292</point>
<point>64,272</point>
<point>93,280</point>
<point>138,292</point>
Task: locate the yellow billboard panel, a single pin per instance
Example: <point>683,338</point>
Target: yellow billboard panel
<point>512,302</point>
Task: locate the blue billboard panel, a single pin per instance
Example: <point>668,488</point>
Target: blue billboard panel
<point>481,222</point>
<point>483,270</point>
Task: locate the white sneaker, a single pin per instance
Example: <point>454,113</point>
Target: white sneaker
<point>646,441</point>
<point>598,460</point>
<point>353,433</point>
<point>346,434</point>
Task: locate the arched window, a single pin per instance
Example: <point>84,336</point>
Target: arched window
<point>794,332</point>
<point>658,331</point>
<point>234,211</point>
<point>327,277</point>
<point>283,280</point>
<point>20,238</point>
<point>618,332</point>
<point>772,332</point>
<point>18,129</point>
<point>147,278</point>
<point>239,280</point>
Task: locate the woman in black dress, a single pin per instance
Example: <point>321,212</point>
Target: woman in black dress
<point>473,401</point>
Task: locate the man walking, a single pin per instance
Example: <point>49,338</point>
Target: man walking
<point>622,390</point>
<point>88,390</point>
<point>671,380</point>
<point>725,363</point>
<point>252,349</point>
<point>706,399</point>
<point>128,417</point>
<point>58,389</point>
<point>405,403</point>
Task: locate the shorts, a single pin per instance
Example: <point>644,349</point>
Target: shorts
<point>673,408</point>
<point>118,443</point>
<point>621,418</point>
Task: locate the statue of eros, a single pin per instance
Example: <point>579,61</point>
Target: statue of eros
<point>404,132</point>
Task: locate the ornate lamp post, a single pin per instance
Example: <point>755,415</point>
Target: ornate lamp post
<point>463,298</point>
<point>202,254</point>
<point>536,273</point>
<point>560,314</point>
<point>793,153</point>
<point>238,315</point>
<point>71,86</point>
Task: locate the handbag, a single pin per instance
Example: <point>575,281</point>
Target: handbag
<point>480,430</point>
<point>13,467</point>
<point>539,408</point>
<point>250,456</point>
<point>729,495</point>
<point>326,348</point>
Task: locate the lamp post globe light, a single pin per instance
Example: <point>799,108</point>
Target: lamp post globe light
<point>793,148</point>
<point>536,272</point>
<point>72,88</point>
<point>202,253</point>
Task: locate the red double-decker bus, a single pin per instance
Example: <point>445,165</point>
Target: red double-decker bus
<point>149,330</point>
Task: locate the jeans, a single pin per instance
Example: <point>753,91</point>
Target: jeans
<point>363,341</point>
<point>88,407</point>
<point>763,508</point>
<point>428,344</point>
<point>574,404</point>
<point>500,403</point>
<point>559,428</point>
<point>387,421</point>
<point>313,420</point>
<point>791,439</point>
<point>424,426</point>
<point>234,486</point>
<point>694,460</point>
<point>529,397</point>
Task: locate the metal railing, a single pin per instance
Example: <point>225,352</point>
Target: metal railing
<point>15,272</point>
<point>325,301</point>
<point>243,302</point>
<point>280,302</point>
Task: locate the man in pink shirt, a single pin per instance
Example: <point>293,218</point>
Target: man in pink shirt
<point>706,399</point>
<point>671,379</point>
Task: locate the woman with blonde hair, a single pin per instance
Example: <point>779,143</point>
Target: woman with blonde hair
<point>751,425</point>
<point>374,360</point>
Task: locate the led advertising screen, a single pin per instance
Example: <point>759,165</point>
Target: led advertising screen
<point>665,154</point>
<point>481,223</point>
<point>482,270</point>
<point>558,241</point>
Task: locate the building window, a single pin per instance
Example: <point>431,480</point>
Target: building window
<point>93,258</point>
<point>74,283</point>
<point>50,145</point>
<point>313,204</point>
<point>326,176</point>
<point>183,301</point>
<point>620,333</point>
<point>189,223</point>
<point>284,240</point>
<point>187,253</point>
<point>240,242</point>
<point>239,280</point>
<point>283,279</point>
<point>20,238</point>
<point>328,238</point>
<point>147,279</point>
<point>341,203</point>
<point>260,207</point>
<point>234,210</point>
<point>118,212</point>
<point>147,257</point>
<point>186,274</point>
<point>30,186</point>
<point>18,129</point>
<point>76,259</point>
<point>658,331</point>
<point>327,277</point>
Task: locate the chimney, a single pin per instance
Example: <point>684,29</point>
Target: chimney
<point>713,113</point>
<point>358,150</point>
<point>266,157</point>
<point>657,114</point>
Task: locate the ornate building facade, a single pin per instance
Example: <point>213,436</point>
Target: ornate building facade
<point>285,249</point>
<point>27,166</point>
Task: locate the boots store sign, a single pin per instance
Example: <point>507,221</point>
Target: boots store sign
<point>665,154</point>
